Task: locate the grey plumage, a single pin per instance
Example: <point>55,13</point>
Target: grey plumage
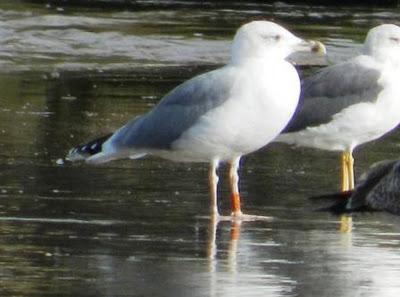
<point>386,193</point>
<point>176,112</point>
<point>322,97</point>
<point>165,123</point>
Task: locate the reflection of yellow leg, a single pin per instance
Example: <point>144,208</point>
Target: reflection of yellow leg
<point>346,224</point>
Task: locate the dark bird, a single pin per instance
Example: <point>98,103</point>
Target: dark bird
<point>377,190</point>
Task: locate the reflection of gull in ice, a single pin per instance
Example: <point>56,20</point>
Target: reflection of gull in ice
<point>232,269</point>
<point>363,263</point>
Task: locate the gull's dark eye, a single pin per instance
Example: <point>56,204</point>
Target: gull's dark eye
<point>395,39</point>
<point>272,38</point>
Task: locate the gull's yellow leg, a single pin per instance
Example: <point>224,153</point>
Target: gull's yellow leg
<point>350,169</point>
<point>345,174</point>
<point>346,222</point>
<point>234,187</point>
<point>347,171</point>
<point>213,185</point>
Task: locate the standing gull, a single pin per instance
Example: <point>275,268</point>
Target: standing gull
<point>218,116</point>
<point>348,104</point>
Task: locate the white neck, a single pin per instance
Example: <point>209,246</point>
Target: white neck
<point>383,55</point>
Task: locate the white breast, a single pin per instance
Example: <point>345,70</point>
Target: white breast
<point>358,123</point>
<point>261,104</point>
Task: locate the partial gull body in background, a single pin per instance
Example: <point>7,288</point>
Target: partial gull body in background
<point>218,116</point>
<point>351,103</point>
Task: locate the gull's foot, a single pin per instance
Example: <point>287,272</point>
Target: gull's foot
<point>246,217</point>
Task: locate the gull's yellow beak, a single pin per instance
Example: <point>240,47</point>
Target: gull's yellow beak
<point>318,47</point>
<point>313,46</point>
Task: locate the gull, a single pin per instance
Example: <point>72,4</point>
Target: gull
<point>218,116</point>
<point>345,105</point>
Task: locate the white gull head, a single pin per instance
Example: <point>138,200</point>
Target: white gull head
<point>383,43</point>
<point>263,39</point>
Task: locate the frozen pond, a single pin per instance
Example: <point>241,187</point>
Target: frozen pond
<point>140,228</point>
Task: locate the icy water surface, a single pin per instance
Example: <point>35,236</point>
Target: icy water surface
<point>140,228</point>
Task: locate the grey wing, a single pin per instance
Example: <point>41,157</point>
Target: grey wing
<point>176,112</point>
<point>368,181</point>
<point>331,90</point>
<point>386,194</point>
<point>376,171</point>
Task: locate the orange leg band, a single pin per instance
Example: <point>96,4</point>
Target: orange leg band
<point>235,204</point>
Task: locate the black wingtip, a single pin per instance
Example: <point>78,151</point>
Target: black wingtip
<point>335,203</point>
<point>81,152</point>
<point>338,203</point>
